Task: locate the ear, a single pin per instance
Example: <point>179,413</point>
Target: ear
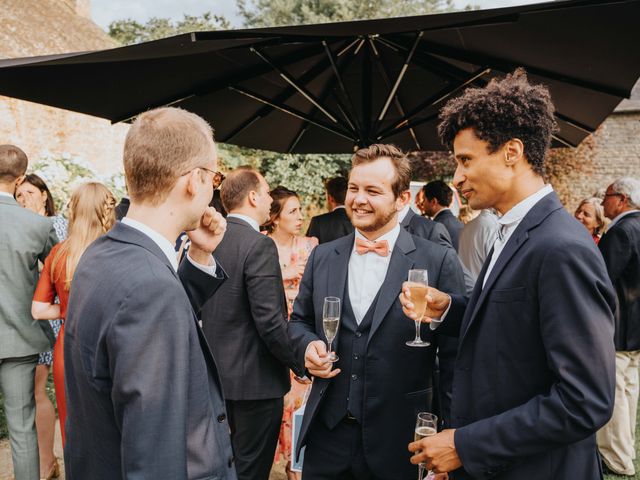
<point>513,151</point>
<point>252,198</point>
<point>20,180</point>
<point>193,182</point>
<point>403,200</point>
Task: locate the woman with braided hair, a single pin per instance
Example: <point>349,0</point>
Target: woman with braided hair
<point>91,214</point>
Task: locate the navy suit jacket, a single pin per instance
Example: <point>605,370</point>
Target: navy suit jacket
<point>620,247</point>
<point>143,395</point>
<point>452,224</point>
<point>426,228</point>
<point>398,380</point>
<point>535,371</point>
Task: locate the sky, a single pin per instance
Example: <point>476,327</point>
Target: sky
<point>106,11</point>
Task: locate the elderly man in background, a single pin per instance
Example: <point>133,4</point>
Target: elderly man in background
<point>620,247</point>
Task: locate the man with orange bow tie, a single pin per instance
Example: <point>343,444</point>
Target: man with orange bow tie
<point>379,384</point>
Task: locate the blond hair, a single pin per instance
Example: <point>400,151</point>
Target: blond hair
<point>162,145</point>
<point>400,162</point>
<point>91,214</point>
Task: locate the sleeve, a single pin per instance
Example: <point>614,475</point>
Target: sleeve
<point>440,235</point>
<point>575,310</point>
<point>50,242</point>
<point>267,303</point>
<point>616,250</point>
<point>149,386</point>
<point>302,330</point>
<point>199,285</point>
<point>45,289</point>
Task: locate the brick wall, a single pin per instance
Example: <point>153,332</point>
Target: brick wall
<point>611,152</point>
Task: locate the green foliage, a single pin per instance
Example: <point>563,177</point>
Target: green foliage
<point>63,174</point>
<point>128,31</point>
<point>268,13</point>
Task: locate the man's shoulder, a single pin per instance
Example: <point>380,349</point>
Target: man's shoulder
<point>428,247</point>
<point>26,218</point>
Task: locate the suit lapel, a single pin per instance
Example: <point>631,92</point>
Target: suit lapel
<point>339,267</point>
<point>399,266</point>
<point>536,215</point>
<point>407,219</point>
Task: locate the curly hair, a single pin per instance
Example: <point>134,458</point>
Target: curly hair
<point>503,110</point>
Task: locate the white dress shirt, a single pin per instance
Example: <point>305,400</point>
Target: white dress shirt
<point>510,221</point>
<point>167,247</point>
<point>6,194</point>
<point>403,213</point>
<point>367,273</point>
<point>249,220</point>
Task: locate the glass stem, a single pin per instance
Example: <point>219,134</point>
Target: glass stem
<point>418,339</point>
<point>420,471</point>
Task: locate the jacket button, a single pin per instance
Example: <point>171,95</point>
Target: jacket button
<point>354,377</point>
<point>356,356</point>
<point>358,334</point>
<point>222,417</point>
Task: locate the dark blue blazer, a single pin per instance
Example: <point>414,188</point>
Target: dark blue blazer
<point>143,395</point>
<point>452,224</point>
<point>535,371</point>
<point>620,247</point>
<point>398,380</point>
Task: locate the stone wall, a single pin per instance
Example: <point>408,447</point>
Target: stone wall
<point>611,152</point>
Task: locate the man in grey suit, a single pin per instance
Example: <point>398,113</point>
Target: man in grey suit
<point>437,198</point>
<point>143,395</point>
<point>25,238</point>
<point>246,325</point>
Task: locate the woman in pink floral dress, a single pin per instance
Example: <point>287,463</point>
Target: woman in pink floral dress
<point>284,226</point>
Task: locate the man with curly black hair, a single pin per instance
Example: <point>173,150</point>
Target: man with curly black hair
<point>535,370</point>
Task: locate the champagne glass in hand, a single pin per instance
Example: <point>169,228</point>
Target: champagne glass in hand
<point>331,322</point>
<point>426,426</point>
<point>418,286</point>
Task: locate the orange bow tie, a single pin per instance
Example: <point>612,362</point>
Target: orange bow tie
<point>366,246</point>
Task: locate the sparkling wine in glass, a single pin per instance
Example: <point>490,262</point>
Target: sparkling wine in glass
<point>426,426</point>
<point>331,323</point>
<point>418,287</point>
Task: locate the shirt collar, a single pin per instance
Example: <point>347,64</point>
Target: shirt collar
<point>619,217</point>
<point>6,194</point>
<point>339,206</point>
<point>520,210</point>
<point>440,211</point>
<point>403,213</point>
<point>391,237</point>
<point>165,245</point>
<point>255,225</point>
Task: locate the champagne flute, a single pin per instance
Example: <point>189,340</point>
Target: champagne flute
<point>418,287</point>
<point>331,322</point>
<point>426,426</point>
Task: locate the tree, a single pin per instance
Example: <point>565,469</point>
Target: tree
<point>129,31</point>
<point>270,13</point>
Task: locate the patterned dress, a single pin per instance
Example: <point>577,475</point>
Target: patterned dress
<point>302,248</point>
<point>61,226</point>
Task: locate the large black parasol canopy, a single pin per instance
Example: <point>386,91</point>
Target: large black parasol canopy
<point>327,88</point>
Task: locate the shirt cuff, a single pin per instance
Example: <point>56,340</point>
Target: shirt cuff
<point>435,322</point>
<point>209,269</point>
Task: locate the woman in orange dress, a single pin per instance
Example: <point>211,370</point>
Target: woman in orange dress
<point>284,226</point>
<point>91,214</point>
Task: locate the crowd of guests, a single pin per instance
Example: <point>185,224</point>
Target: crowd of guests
<point>194,323</point>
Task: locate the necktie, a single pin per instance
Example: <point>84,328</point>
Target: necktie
<point>365,246</point>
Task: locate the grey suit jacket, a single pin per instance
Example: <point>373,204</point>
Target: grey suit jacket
<point>25,238</point>
<point>246,321</point>
<point>143,395</point>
